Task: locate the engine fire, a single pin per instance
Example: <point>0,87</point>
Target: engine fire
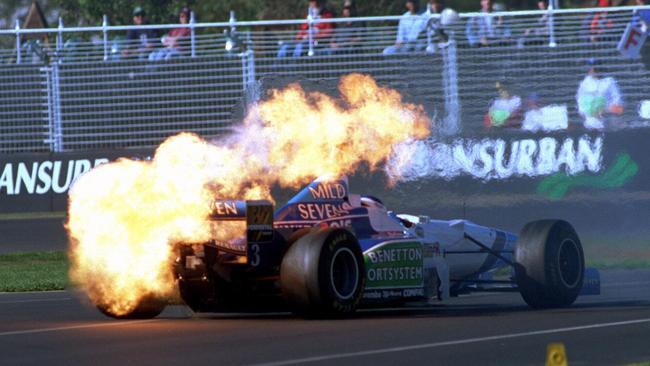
<point>124,215</point>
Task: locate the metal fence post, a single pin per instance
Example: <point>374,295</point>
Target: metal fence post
<point>50,110</point>
<point>17,28</point>
<point>551,26</point>
<point>232,21</point>
<point>310,34</point>
<point>192,35</point>
<point>451,122</point>
<point>430,48</point>
<point>56,98</point>
<point>105,36</point>
<point>59,41</point>
<point>56,94</point>
<point>252,92</point>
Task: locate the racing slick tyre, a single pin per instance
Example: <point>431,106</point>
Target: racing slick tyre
<point>148,308</point>
<point>323,273</point>
<point>549,266</point>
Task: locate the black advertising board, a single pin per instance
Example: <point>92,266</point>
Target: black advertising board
<point>599,181</point>
<point>40,182</point>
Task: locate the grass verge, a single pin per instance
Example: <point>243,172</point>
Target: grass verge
<point>32,215</point>
<point>619,263</point>
<point>34,271</point>
<point>46,271</point>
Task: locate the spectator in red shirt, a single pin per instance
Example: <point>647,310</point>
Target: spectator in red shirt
<point>175,41</point>
<point>321,32</point>
<point>600,24</point>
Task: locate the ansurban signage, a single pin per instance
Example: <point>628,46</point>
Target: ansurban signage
<point>42,177</point>
<point>40,182</point>
<point>499,158</point>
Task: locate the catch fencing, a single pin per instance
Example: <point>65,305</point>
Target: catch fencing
<point>80,90</point>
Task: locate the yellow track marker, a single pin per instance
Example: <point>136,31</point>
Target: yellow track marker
<point>556,355</point>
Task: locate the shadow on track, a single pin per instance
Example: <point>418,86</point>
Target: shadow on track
<point>434,311</point>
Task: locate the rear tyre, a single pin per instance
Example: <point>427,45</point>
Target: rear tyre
<point>148,308</point>
<point>549,264</point>
<point>323,274</point>
<point>198,295</point>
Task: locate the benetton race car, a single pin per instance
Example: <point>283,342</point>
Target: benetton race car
<point>328,252</point>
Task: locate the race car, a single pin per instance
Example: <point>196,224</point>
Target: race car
<point>328,252</point>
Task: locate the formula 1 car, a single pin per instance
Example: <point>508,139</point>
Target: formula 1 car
<point>328,252</point>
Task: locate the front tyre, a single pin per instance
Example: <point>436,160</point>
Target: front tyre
<point>323,273</point>
<point>549,264</point>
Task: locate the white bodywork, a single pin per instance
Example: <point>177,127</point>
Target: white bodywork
<point>460,257</point>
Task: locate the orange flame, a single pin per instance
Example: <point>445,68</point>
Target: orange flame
<point>124,215</point>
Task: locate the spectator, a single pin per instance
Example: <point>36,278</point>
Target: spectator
<point>505,110</point>
<point>321,32</point>
<point>502,31</point>
<point>140,41</point>
<point>176,41</point>
<point>600,24</point>
<point>540,31</point>
<point>544,118</point>
<point>435,31</point>
<point>410,26</point>
<point>348,33</point>
<point>480,29</point>
<point>598,97</point>
<point>642,16</point>
<point>642,19</point>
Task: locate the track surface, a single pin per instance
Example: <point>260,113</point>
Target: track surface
<point>59,328</point>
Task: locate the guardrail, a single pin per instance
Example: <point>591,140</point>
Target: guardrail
<point>83,91</point>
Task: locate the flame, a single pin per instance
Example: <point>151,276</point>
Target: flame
<point>123,216</point>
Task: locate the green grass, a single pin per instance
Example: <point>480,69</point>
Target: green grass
<point>621,252</point>
<point>37,271</point>
<point>619,263</point>
<point>46,271</point>
<point>31,215</point>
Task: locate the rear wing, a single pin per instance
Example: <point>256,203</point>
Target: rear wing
<point>259,248</point>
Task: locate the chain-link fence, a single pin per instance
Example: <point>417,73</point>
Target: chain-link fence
<point>90,88</point>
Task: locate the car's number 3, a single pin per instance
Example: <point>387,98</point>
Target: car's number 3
<point>255,255</point>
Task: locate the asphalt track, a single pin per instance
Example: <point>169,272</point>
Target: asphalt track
<point>60,328</point>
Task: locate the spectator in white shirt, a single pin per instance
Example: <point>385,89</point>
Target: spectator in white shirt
<point>480,29</point>
<point>410,26</point>
<point>598,98</point>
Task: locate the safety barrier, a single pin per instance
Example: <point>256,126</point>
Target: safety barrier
<point>82,91</point>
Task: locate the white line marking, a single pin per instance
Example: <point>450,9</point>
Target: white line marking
<point>35,300</point>
<point>449,343</point>
<point>617,284</point>
<point>83,326</point>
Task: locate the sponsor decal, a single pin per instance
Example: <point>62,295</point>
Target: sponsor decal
<point>395,264</point>
<point>431,250</point>
<point>497,158</point>
<point>337,223</point>
<point>321,211</point>
<point>224,208</point>
<point>42,177</point>
<point>370,294</point>
<point>237,245</point>
<point>259,220</point>
<point>328,191</point>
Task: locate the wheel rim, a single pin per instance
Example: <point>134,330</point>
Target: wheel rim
<point>569,263</point>
<point>344,273</point>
